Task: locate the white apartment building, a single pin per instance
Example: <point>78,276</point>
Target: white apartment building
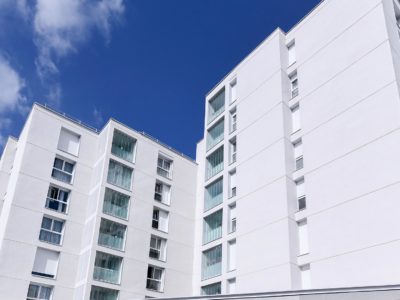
<point>295,187</point>
<point>93,215</point>
<point>299,163</point>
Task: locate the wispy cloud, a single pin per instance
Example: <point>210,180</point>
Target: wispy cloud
<point>5,124</point>
<point>11,88</point>
<point>61,26</point>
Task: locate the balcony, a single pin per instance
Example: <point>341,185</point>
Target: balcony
<point>106,275</point>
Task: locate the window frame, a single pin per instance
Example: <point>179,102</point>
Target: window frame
<point>160,281</point>
<point>161,170</point>
<point>39,290</point>
<point>52,231</point>
<point>58,201</point>
<point>64,162</point>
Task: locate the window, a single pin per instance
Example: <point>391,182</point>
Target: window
<point>116,204</point>
<point>232,218</point>
<point>160,219</point>
<point>294,84</point>
<point>211,289</point>
<point>232,255</point>
<point>233,91</point>
<point>215,134</point>
<point>62,170</point>
<point>232,150</point>
<point>46,263</point>
<point>211,263</point>
<point>213,194</point>
<point>164,167</point>
<point>300,192</point>
<point>112,234</point>
<point>215,163</point>
<point>295,118</point>
<point>158,247</point>
<point>231,286</point>
<point>51,230</point>
<point>298,155</point>
<point>232,183</point>
<point>57,199</point>
<point>303,237</point>
<point>101,293</point>
<point>119,175</point>
<point>68,142</point>
<point>212,227</point>
<point>155,278</point>
<point>232,120</point>
<point>123,146</point>
<point>162,192</point>
<point>216,105</point>
<point>39,292</point>
<point>305,277</point>
<point>107,268</point>
<point>291,53</point>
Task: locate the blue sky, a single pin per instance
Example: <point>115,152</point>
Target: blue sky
<point>146,63</point>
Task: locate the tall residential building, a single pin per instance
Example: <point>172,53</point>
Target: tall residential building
<point>298,168</point>
<point>295,184</point>
<point>94,215</point>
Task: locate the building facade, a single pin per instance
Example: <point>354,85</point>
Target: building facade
<point>294,187</point>
<point>298,165</point>
<point>94,215</point>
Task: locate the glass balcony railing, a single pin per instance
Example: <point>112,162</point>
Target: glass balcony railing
<point>108,240</point>
<point>106,275</point>
<point>212,271</point>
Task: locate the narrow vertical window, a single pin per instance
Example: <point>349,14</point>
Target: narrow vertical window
<point>232,150</point>
<point>231,286</point>
<point>232,183</point>
<point>158,248</point>
<point>294,84</point>
<point>233,91</point>
<point>298,155</point>
<point>232,218</point>
<point>301,194</point>
<point>305,277</point>
<point>291,53</point>
<point>303,237</point>
<point>295,118</point>
<point>232,255</point>
<point>162,192</point>
<point>232,120</point>
<point>160,219</point>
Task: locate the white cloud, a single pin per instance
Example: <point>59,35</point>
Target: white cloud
<point>97,117</point>
<point>11,86</point>
<point>5,124</point>
<point>61,26</point>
